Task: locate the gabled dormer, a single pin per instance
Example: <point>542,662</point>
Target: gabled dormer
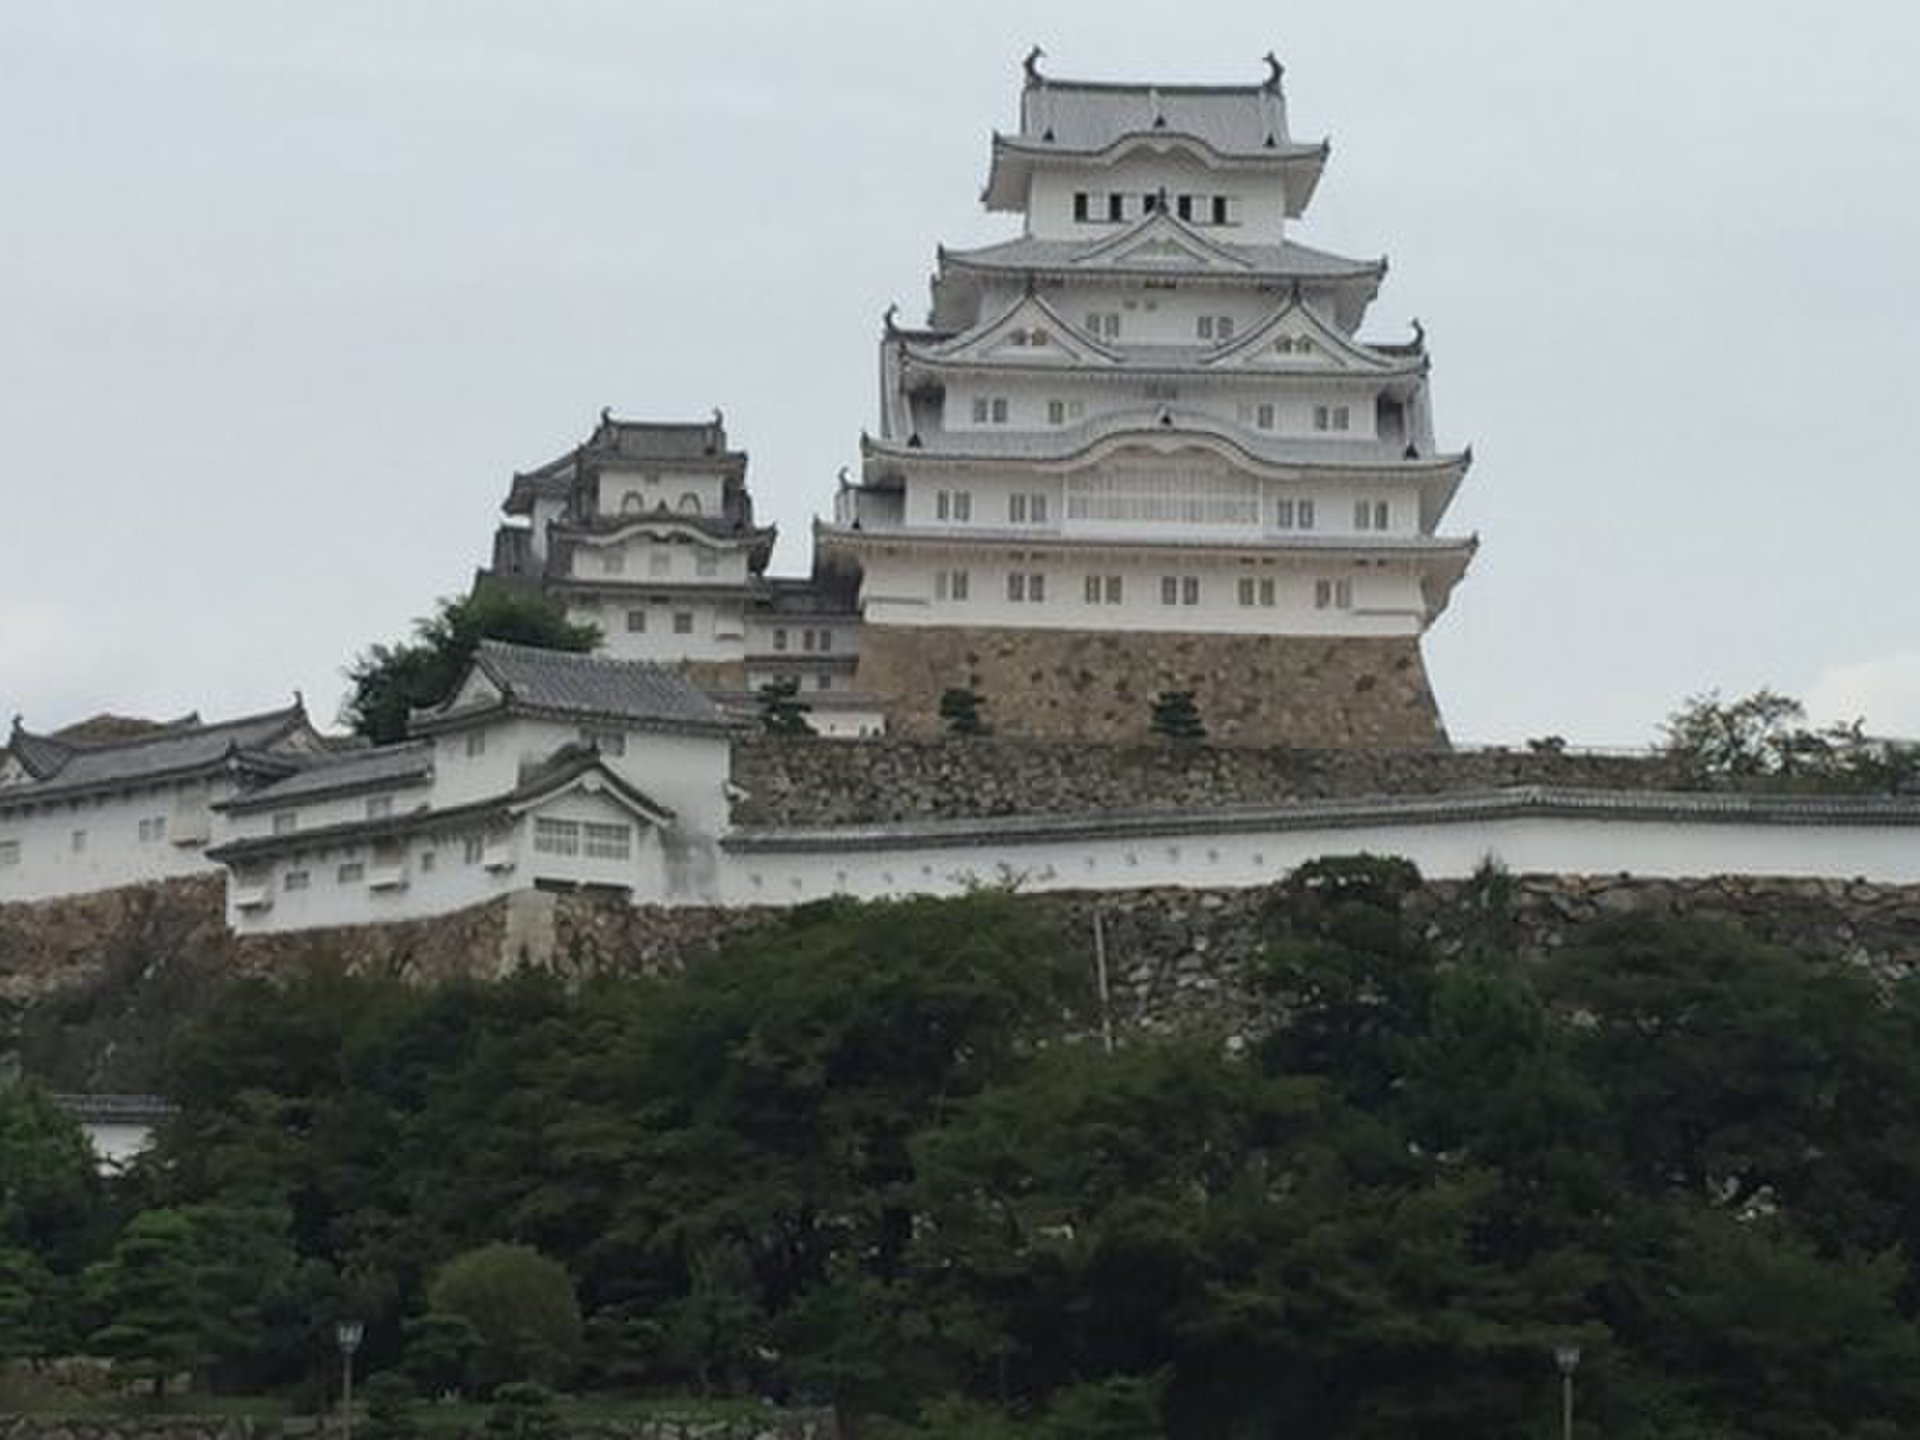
<point>1027,332</point>
<point>1161,241</point>
<point>1295,337</point>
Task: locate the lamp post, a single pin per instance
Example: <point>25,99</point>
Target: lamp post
<point>1567,1359</point>
<point>347,1335</point>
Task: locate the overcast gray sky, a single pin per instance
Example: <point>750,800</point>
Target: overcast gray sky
<point>288,291</point>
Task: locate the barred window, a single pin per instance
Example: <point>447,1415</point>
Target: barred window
<point>609,842</point>
<point>556,837</point>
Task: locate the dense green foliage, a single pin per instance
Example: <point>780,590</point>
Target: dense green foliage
<point>385,682</point>
<point>1764,737</point>
<point>963,711</point>
<point>872,1154</point>
<point>1175,716</point>
<point>782,711</point>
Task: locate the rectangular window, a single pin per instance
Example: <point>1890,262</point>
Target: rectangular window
<point>1255,590</point>
<point>953,505</point>
<point>9,854</point>
<point>379,806</point>
<point>1169,589</point>
<point>473,849</point>
<point>1037,509</point>
<point>1332,417</point>
<point>1333,594</point>
<point>609,842</point>
<point>1082,205</point>
<point>1103,324</point>
<point>556,837</point>
<point>1116,207</point>
<point>1056,412</point>
<point>826,641</point>
<point>1017,509</point>
<point>426,862</point>
<point>780,638</point>
<point>989,409</point>
<point>152,829</point>
<point>683,622</point>
<point>1189,589</point>
<point>1113,589</point>
<point>950,585</point>
<point>1093,590</point>
<point>1220,210</point>
<point>476,744</point>
<point>350,872</point>
<point>636,622</point>
<point>1183,207</point>
<point>1370,514</point>
<point>295,880</point>
<point>1203,326</point>
<point>607,742</point>
<point>1263,415</point>
<point>1016,585</point>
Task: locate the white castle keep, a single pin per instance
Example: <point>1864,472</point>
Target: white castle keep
<point>1139,447</point>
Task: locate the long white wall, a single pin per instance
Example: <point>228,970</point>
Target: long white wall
<point>100,841</point>
<point>1243,854</point>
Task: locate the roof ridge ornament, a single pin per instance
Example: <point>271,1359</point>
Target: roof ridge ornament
<point>1274,71</point>
<point>1032,66</point>
<point>888,320</point>
<point>1419,335</point>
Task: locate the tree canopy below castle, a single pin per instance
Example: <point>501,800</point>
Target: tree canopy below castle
<point>878,1155</point>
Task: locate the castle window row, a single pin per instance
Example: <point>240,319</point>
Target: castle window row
<point>1169,499</point>
<point>1116,207</point>
<point>810,639</point>
<point>1026,587</point>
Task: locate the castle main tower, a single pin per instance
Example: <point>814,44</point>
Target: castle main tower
<point>1142,446</point>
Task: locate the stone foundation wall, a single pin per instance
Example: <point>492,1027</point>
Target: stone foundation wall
<point>1082,685</point>
<point>95,987</point>
<point>805,781</point>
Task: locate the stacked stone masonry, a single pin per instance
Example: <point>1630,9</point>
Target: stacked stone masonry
<point>802,782</point>
<point>94,987</point>
<point>1094,686</point>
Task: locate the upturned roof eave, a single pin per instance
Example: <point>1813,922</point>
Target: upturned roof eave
<point>1441,550</point>
<point>875,447</point>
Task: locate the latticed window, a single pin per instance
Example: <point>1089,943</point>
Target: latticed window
<point>609,842</point>
<point>556,837</point>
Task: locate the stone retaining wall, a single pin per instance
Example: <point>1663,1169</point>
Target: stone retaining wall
<point>94,987</point>
<point>1362,691</point>
<point>838,782</point>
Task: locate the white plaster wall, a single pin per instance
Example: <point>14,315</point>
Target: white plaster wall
<point>112,853</point>
<point>901,590</point>
<point>718,633</point>
<point>314,813</point>
<point>1260,200</point>
<point>1669,849</point>
<point>449,881</point>
<point>669,488</point>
